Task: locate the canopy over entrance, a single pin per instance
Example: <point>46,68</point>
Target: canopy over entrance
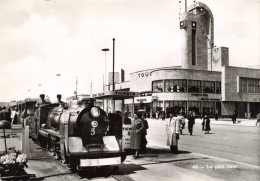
<point>117,95</point>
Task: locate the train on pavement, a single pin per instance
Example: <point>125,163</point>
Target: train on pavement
<point>80,135</point>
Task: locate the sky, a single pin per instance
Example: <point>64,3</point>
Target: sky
<point>43,38</point>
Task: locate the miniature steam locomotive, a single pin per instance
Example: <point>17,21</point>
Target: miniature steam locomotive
<point>78,135</point>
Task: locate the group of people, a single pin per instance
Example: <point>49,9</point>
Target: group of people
<point>42,101</point>
<point>180,125</point>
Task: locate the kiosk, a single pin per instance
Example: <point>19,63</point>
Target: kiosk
<point>114,104</point>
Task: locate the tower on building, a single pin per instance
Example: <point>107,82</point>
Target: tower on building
<point>197,26</point>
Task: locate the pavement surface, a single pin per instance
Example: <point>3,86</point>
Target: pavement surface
<point>230,152</point>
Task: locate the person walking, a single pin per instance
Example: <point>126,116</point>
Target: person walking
<point>173,131</point>
<point>181,120</point>
<point>257,119</point>
<point>191,121</point>
<point>16,116</point>
<point>135,141</point>
<point>206,124</point>
<point>143,133</point>
<point>234,117</point>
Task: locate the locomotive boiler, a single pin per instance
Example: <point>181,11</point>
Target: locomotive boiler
<point>78,135</point>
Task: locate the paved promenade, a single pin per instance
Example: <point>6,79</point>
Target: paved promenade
<point>224,121</point>
<point>227,121</point>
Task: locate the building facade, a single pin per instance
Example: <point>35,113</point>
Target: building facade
<point>204,83</point>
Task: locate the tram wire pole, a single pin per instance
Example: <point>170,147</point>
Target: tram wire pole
<point>105,50</point>
<point>113,64</point>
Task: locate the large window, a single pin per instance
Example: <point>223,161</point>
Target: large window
<point>195,106</point>
<point>249,85</point>
<point>218,87</point>
<point>176,85</point>
<point>253,86</point>
<point>157,106</point>
<point>208,108</point>
<point>175,106</point>
<point>208,86</point>
<point>157,86</point>
<point>194,86</point>
<point>243,84</point>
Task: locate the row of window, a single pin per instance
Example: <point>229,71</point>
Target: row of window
<point>249,85</point>
<point>203,107</point>
<point>180,85</point>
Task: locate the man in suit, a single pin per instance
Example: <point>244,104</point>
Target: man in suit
<point>61,103</point>
<point>191,121</point>
<point>41,101</point>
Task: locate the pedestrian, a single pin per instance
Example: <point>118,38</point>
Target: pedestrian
<point>135,141</point>
<point>144,133</point>
<point>5,115</point>
<point>182,121</point>
<point>206,124</point>
<point>191,121</point>
<point>163,115</point>
<point>153,115</point>
<point>249,115</point>
<point>173,131</point>
<point>234,117</point>
<point>257,118</point>
<point>216,116</point>
<point>16,117</point>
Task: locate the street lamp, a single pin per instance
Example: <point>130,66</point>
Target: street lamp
<point>39,88</point>
<point>29,93</point>
<point>58,75</point>
<point>105,50</point>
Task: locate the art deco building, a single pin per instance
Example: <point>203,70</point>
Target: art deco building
<point>204,82</point>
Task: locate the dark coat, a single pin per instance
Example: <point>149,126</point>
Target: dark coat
<point>191,120</point>
<point>40,103</point>
<point>5,115</point>
<point>137,128</point>
<point>206,124</point>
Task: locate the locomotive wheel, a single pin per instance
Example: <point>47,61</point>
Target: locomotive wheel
<point>74,166</point>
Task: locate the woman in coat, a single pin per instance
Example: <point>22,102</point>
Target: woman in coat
<point>173,131</point>
<point>206,124</point>
<point>137,128</point>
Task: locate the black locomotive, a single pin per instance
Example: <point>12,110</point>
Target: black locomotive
<point>78,135</point>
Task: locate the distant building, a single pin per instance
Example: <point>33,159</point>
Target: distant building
<point>6,104</point>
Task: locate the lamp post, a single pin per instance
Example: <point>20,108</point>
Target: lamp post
<point>29,93</point>
<point>39,88</point>
<point>105,50</point>
<point>113,64</point>
<point>58,75</point>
